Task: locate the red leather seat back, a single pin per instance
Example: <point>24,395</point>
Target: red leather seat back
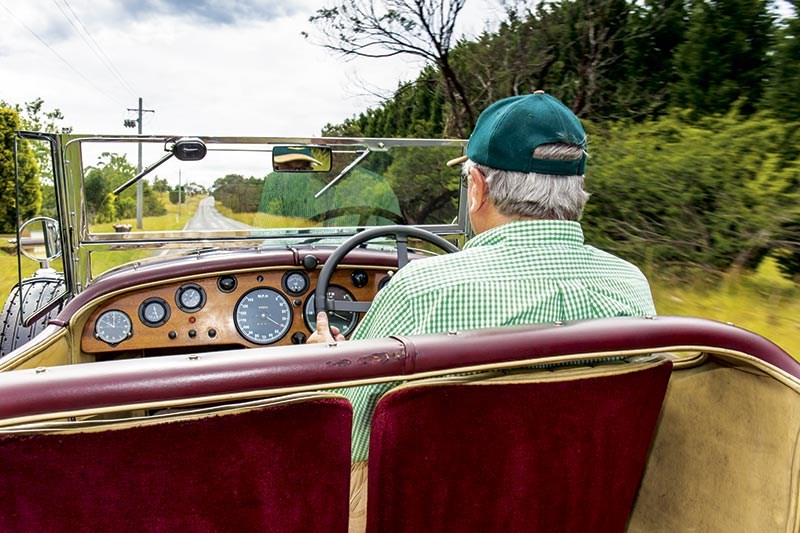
<point>273,468</point>
<point>558,453</point>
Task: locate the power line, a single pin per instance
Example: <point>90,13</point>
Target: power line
<point>96,49</point>
<point>59,56</point>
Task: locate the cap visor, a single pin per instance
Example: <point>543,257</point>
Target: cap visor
<point>456,161</point>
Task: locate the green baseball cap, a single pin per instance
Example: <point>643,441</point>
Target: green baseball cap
<point>509,130</point>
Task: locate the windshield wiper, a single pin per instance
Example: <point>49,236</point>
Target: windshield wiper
<point>343,173</point>
<point>141,174</point>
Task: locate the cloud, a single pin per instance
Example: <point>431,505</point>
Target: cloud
<point>225,12</point>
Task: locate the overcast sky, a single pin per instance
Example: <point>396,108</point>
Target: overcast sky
<point>207,67</point>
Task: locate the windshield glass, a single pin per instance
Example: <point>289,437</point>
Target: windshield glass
<point>234,190</point>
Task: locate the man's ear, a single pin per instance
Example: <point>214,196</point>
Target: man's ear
<point>477,193</point>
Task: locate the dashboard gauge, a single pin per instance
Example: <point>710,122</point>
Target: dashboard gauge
<point>113,327</point>
<point>295,282</point>
<point>263,316</point>
<point>153,312</point>
<point>344,320</point>
<point>190,297</point>
<point>226,283</point>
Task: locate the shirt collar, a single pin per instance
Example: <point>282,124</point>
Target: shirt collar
<point>530,232</point>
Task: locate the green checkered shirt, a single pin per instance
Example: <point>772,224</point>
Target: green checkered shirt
<point>518,273</point>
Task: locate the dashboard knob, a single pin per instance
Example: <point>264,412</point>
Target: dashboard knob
<point>310,262</point>
<point>299,338</point>
<point>359,278</point>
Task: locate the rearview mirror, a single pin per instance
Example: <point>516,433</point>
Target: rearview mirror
<point>301,159</point>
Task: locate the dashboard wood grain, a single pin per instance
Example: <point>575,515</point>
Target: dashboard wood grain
<point>213,324</point>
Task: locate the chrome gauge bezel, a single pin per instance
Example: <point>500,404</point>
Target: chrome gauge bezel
<point>155,300</point>
<point>259,334</point>
<point>192,307</point>
<point>290,287</point>
<point>119,330</point>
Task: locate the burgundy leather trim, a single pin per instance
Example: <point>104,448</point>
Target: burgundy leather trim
<point>209,264</point>
<point>27,392</point>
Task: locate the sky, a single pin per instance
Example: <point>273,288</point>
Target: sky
<point>207,67</point>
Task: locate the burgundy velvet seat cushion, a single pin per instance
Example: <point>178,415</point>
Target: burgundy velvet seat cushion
<point>277,468</point>
<point>544,456</point>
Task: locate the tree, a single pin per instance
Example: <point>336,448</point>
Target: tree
<point>780,95</point>
<point>724,56</point>
<point>111,171</point>
<point>34,117</point>
<point>161,185</point>
<point>239,194</point>
<point>385,28</point>
<point>30,192</point>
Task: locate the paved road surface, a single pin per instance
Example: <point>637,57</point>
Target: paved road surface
<point>208,218</point>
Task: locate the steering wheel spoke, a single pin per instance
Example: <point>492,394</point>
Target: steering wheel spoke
<point>400,234</point>
<point>345,305</point>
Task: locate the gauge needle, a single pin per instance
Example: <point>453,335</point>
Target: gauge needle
<point>337,315</point>
<point>274,322</point>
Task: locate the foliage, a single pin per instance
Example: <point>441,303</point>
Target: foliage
<point>99,181</point>
<point>34,117</point>
<point>362,197</point>
<point>724,56</point>
<point>784,73</point>
<point>30,193</point>
<point>239,194</point>
<point>671,192</point>
<point>428,186</point>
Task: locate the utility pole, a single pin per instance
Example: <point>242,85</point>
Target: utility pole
<point>179,193</point>
<point>140,184</point>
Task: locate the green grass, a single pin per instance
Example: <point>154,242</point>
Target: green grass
<point>762,302</point>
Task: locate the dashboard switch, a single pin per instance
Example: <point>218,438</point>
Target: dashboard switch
<point>172,335</point>
<point>212,333</point>
<point>310,262</point>
<point>299,338</point>
<point>192,333</point>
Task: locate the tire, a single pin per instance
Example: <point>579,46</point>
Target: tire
<point>35,293</point>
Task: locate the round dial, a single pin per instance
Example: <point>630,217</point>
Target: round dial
<point>295,282</point>
<point>190,297</point>
<point>113,327</point>
<point>344,320</point>
<point>153,312</point>
<point>263,316</point>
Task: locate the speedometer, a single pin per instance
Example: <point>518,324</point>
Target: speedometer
<point>263,316</point>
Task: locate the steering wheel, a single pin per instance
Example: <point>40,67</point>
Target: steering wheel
<point>401,235</point>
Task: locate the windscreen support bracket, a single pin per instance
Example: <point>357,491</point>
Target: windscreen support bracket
<point>343,173</point>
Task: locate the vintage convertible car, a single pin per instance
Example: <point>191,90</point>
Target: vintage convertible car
<point>175,390</point>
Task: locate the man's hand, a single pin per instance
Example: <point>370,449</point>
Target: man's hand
<point>324,332</point>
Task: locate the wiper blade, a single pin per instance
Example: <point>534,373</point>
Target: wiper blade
<point>343,173</point>
<point>141,174</point>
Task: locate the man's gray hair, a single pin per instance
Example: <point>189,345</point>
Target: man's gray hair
<point>535,195</point>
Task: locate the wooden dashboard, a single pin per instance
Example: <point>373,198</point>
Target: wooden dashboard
<point>269,306</point>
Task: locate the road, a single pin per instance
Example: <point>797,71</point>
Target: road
<point>207,218</point>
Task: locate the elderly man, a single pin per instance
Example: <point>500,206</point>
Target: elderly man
<point>528,263</point>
